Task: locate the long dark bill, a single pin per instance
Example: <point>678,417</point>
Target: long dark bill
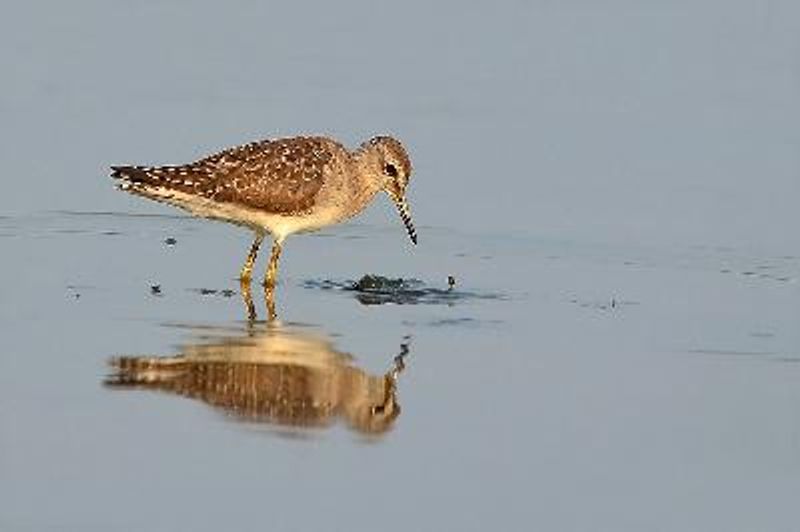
<point>405,214</point>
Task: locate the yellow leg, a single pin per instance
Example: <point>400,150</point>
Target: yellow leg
<point>269,299</point>
<point>271,276</point>
<point>247,268</point>
<point>248,301</point>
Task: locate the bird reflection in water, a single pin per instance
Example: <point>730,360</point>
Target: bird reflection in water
<point>285,376</point>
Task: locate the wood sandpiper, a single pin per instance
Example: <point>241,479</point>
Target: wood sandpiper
<point>280,187</point>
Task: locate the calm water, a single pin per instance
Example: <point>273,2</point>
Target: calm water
<point>613,189</point>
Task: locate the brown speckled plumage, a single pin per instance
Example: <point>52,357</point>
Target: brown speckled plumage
<point>280,176</point>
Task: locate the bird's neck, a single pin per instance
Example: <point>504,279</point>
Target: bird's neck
<point>364,183</point>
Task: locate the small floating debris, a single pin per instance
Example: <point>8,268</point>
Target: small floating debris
<point>155,289</point>
<point>77,291</point>
<point>171,241</point>
<point>451,281</point>
<point>226,292</point>
<point>612,304</point>
<point>73,290</point>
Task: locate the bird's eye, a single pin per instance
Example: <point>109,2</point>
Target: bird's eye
<point>390,170</point>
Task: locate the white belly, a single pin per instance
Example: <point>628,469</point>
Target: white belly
<point>278,225</point>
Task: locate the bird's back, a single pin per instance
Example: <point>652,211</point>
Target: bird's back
<point>281,176</point>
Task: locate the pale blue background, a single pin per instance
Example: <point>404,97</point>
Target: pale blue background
<point>566,153</point>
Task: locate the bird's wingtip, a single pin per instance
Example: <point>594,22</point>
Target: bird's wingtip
<point>132,174</point>
<point>118,172</point>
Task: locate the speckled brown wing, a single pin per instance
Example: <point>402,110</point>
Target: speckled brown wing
<point>279,176</point>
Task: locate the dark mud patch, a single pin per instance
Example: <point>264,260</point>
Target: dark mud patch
<point>379,290</point>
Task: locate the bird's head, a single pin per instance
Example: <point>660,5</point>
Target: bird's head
<point>392,167</point>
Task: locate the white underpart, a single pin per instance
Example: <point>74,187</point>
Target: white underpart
<point>278,225</point>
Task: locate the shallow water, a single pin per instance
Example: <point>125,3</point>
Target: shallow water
<point>612,189</point>
<point>575,374</point>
